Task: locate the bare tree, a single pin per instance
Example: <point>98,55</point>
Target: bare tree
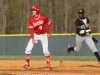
<point>4,8</point>
<point>69,6</point>
<point>98,16</point>
<point>94,13</point>
<point>28,12</point>
<point>14,14</point>
<point>50,9</point>
<point>21,16</point>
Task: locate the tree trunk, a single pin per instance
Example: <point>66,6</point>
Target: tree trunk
<point>4,10</point>
<point>98,16</point>
<point>28,12</point>
<point>66,16</point>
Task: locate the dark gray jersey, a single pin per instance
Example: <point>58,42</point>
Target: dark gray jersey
<point>81,25</point>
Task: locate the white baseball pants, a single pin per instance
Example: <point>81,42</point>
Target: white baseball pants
<point>44,41</point>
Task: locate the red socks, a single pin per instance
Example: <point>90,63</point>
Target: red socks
<point>27,58</point>
<point>48,60</point>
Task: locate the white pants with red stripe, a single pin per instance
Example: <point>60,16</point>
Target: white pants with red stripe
<point>44,41</point>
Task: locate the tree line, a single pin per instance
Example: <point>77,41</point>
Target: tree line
<point>14,14</point>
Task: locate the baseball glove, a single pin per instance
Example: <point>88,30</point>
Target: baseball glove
<point>95,40</point>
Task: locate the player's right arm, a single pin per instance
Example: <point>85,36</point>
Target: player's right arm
<point>31,30</point>
<point>80,29</point>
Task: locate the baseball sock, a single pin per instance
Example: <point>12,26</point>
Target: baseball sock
<point>48,60</point>
<point>71,48</point>
<point>97,55</point>
<point>27,58</point>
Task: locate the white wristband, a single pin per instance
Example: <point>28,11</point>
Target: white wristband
<point>82,32</point>
<point>88,30</point>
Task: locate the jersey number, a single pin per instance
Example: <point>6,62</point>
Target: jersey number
<point>40,27</point>
<point>83,27</point>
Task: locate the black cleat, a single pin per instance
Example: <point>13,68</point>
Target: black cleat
<point>68,50</point>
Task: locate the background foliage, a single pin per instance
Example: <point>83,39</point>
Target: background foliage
<point>14,14</point>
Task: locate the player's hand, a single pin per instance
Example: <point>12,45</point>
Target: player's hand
<point>84,31</point>
<point>92,28</point>
<point>34,42</point>
<point>95,40</point>
<point>48,35</point>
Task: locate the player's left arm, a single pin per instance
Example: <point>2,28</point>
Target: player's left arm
<point>87,26</point>
<point>49,27</point>
<point>90,29</point>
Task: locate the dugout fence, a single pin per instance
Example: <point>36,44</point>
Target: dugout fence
<point>15,44</point>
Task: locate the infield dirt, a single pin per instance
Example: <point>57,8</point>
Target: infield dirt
<point>57,67</point>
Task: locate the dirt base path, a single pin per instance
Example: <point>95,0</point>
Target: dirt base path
<point>57,67</point>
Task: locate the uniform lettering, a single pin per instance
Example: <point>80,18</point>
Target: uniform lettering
<point>38,23</point>
<point>83,27</point>
<point>87,25</point>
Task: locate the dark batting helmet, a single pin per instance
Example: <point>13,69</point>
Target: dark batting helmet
<point>81,11</point>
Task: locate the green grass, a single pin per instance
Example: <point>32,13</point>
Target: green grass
<point>53,58</point>
<point>5,74</point>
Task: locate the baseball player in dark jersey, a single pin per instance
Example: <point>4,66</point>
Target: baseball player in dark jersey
<point>83,34</point>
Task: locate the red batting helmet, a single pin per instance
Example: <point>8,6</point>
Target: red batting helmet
<point>36,8</point>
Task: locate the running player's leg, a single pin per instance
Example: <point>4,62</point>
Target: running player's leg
<point>92,46</point>
<point>79,43</point>
<point>46,52</point>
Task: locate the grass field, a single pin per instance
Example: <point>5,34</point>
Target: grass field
<point>55,58</point>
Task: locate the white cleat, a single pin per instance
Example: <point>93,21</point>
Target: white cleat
<point>47,69</point>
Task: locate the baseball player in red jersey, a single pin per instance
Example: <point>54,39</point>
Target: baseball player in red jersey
<point>37,28</point>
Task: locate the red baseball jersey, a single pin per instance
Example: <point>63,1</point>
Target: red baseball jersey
<point>38,25</point>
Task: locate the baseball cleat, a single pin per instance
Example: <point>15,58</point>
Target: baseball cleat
<point>25,67</point>
<point>68,50</point>
<point>47,68</point>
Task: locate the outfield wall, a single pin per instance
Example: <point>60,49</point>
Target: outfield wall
<point>15,44</point>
